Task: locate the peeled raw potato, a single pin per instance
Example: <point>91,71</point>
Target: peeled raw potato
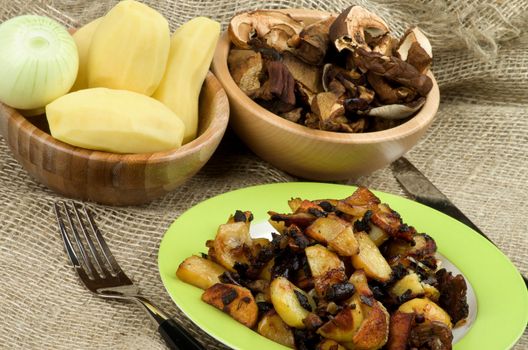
<point>115,121</point>
<point>129,49</point>
<point>83,40</point>
<point>191,51</point>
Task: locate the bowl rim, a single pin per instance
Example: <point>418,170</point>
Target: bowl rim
<point>218,123</point>
<point>420,120</point>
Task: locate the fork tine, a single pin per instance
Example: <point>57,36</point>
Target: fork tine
<point>89,240</point>
<point>102,243</point>
<point>65,238</point>
<point>87,262</point>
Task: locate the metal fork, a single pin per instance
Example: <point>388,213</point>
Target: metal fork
<point>100,273</point>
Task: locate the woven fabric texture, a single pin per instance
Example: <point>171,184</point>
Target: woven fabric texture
<point>476,152</point>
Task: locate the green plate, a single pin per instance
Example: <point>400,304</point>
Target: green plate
<point>501,301</point>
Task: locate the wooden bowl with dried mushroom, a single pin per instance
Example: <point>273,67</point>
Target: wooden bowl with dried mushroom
<point>326,97</point>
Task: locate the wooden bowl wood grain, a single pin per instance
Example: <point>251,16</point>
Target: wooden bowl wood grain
<point>110,178</point>
<point>316,154</point>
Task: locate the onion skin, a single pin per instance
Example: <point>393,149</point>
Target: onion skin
<point>38,61</point>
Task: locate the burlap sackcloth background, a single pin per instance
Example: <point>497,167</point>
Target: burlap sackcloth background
<point>476,152</point>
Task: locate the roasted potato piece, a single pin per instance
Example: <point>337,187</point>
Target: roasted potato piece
<point>232,244</point>
<point>294,204</point>
<point>359,280</point>
<point>273,327</point>
<point>370,259</point>
<point>377,235</point>
<point>390,222</point>
<point>291,303</point>
<point>358,203</point>
<point>199,272</point>
<point>326,267</point>
<point>374,330</point>
<point>345,243</point>
<point>300,219</point>
<point>422,246</point>
<point>234,300</point>
<point>277,225</point>
<point>326,228</point>
<point>336,233</point>
<point>431,292</point>
<point>257,244</point>
<point>409,285</point>
<point>399,330</point>
<point>329,344</point>
<point>322,260</point>
<point>427,308</point>
<point>265,273</point>
<point>345,324</point>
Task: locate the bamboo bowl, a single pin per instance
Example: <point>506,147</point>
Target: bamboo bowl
<point>316,154</point>
<point>110,178</point>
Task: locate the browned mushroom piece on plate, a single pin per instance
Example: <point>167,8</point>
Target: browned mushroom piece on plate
<point>453,291</point>
<point>431,335</point>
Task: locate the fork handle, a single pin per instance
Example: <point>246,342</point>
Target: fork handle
<point>176,337</point>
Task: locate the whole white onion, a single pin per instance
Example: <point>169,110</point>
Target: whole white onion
<point>38,61</point>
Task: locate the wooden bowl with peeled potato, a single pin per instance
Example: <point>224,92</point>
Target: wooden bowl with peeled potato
<point>302,151</point>
<point>113,178</point>
<point>142,116</point>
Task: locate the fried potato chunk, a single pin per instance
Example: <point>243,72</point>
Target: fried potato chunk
<point>199,272</point>
<point>273,327</point>
<point>427,308</point>
<point>234,300</point>
<point>370,259</point>
<point>291,303</point>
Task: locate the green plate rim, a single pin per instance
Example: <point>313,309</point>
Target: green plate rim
<point>488,270</point>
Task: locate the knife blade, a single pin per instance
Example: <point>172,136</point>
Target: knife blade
<point>420,189</point>
<point>423,191</point>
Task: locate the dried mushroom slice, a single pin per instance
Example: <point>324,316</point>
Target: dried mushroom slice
<point>278,89</point>
<point>330,110</point>
<point>394,69</point>
<point>314,41</point>
<point>348,78</point>
<point>397,111</point>
<point>275,28</point>
<point>384,44</point>
<point>246,68</point>
<point>306,96</point>
<point>353,25</point>
<point>306,74</point>
<point>294,115</point>
<point>386,93</point>
<point>415,49</point>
